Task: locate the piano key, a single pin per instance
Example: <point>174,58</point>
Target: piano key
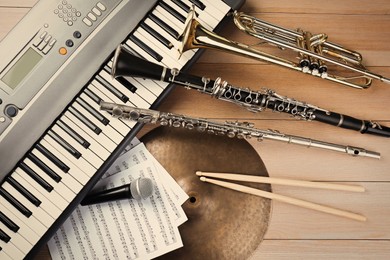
<point>15,238</point>
<point>92,95</point>
<point>85,153</point>
<point>107,131</point>
<point>52,158</point>
<point>170,57</point>
<point>111,88</point>
<point>94,145</point>
<point>68,179</point>
<point>218,6</point>
<point>100,138</point>
<point>38,179</point>
<point>125,83</point>
<point>198,4</point>
<point>48,202</point>
<point>79,173</point>
<point>171,31</point>
<point>15,203</point>
<point>110,98</point>
<point>70,131</point>
<point>26,193</point>
<point>44,167</point>
<point>157,36</point>
<point>102,119</point>
<point>24,228</point>
<point>11,250</point>
<point>59,187</point>
<point>3,255</point>
<point>177,43</point>
<point>164,15</point>
<point>64,144</point>
<point>174,12</point>
<point>208,16</point>
<point>31,221</point>
<point>8,222</point>
<point>85,121</point>
<point>37,212</point>
<point>4,237</point>
<point>81,162</point>
<point>145,48</point>
<point>122,128</point>
<point>134,98</point>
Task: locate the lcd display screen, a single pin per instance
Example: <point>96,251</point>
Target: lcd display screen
<point>21,68</point>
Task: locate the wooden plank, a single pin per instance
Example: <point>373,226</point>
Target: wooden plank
<point>322,249</point>
<point>318,6</point>
<point>9,17</point>
<point>17,3</point>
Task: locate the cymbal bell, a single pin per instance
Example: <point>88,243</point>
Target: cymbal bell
<point>222,223</point>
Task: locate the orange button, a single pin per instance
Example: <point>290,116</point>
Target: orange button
<point>63,51</point>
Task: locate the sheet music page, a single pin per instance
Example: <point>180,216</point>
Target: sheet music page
<point>125,229</point>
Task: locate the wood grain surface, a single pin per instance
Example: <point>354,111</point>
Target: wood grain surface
<point>297,233</point>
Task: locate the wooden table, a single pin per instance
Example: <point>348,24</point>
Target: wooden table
<point>296,233</point>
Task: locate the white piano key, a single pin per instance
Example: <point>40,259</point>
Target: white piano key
<point>46,204</point>
<point>94,145</point>
<point>11,250</point>
<point>58,187</point>
<point>135,99</point>
<point>218,6</point>
<point>20,242</point>
<point>106,130</point>
<point>81,163</point>
<point>37,212</point>
<point>87,154</point>
<point>116,124</point>
<point>67,178</point>
<point>4,255</point>
<point>106,142</point>
<point>169,19</point>
<point>24,229</point>
<point>32,222</point>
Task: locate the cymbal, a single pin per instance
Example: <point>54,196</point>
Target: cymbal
<point>222,223</point>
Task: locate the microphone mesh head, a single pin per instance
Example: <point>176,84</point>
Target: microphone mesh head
<point>141,188</point>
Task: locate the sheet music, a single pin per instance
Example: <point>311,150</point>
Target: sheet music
<point>125,229</point>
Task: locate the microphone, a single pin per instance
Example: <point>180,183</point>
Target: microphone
<point>139,189</point>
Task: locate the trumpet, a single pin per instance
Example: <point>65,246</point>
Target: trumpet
<point>315,53</point>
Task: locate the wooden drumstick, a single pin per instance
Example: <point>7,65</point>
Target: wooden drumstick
<point>298,183</point>
<point>289,200</point>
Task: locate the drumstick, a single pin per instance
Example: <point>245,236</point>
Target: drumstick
<point>298,183</point>
<point>289,200</point>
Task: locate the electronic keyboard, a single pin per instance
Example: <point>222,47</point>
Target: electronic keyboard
<point>55,69</point>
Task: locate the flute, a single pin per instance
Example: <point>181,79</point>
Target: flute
<point>126,64</point>
<point>231,129</point>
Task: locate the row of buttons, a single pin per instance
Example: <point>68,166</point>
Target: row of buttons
<point>95,12</point>
<point>45,42</point>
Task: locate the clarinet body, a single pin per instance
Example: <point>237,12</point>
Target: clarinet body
<point>231,129</point>
<point>126,64</point>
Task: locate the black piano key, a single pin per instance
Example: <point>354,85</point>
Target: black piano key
<point>22,190</point>
<point>36,177</point>
<point>173,12</point>
<point>8,222</point>
<point>19,206</point>
<point>112,89</point>
<point>93,96</point>
<point>104,120</point>
<point>73,151</point>
<point>52,158</point>
<point>85,120</point>
<point>122,80</point>
<point>164,26</point>
<point>146,48</point>
<point>157,35</point>
<point>198,4</point>
<point>52,174</point>
<point>76,136</point>
<point>4,237</point>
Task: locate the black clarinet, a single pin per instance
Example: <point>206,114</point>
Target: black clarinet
<point>127,64</point>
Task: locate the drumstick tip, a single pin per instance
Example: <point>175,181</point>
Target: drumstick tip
<point>203,179</point>
<point>199,173</point>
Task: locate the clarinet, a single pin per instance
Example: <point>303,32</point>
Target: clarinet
<point>126,64</point>
<point>240,130</point>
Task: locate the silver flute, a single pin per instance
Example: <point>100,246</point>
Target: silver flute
<point>231,129</point>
